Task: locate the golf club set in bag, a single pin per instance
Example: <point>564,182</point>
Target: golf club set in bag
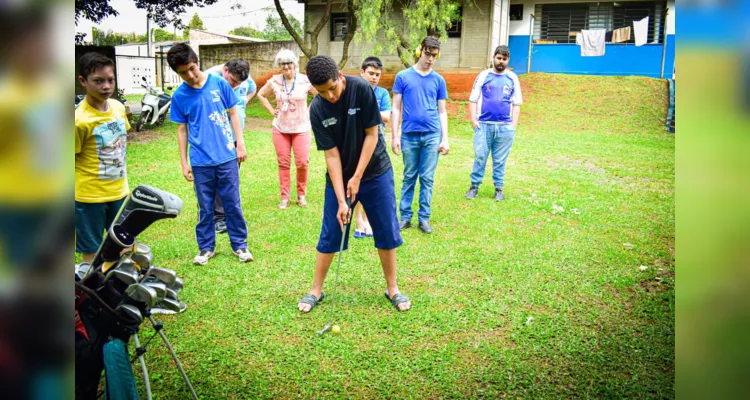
<point>116,292</point>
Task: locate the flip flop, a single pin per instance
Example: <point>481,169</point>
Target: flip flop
<point>311,300</point>
<point>397,299</point>
<point>358,234</point>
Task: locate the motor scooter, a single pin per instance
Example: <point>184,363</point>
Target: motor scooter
<point>154,107</point>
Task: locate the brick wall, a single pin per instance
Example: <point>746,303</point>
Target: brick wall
<point>459,85</point>
<point>259,55</point>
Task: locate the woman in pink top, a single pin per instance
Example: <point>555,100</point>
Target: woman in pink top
<point>291,122</point>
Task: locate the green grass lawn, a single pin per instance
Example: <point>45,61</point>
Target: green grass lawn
<point>510,299</point>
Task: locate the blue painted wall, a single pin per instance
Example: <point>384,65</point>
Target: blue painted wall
<point>618,59</point>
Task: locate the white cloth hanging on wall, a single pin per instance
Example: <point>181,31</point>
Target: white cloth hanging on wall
<point>640,30</point>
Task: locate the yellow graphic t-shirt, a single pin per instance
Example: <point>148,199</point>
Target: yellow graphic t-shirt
<point>100,153</point>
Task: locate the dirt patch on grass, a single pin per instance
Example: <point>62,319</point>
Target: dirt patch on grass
<point>257,124</point>
<point>458,109</point>
<point>144,136</point>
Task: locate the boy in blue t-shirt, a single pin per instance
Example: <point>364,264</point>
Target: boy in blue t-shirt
<point>497,95</point>
<point>372,69</point>
<point>203,106</point>
<point>237,74</point>
<point>425,129</point>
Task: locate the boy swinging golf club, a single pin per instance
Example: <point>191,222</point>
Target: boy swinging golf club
<point>345,119</point>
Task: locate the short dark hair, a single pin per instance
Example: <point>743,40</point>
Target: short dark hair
<point>91,62</point>
<point>372,62</point>
<point>430,42</point>
<point>180,54</point>
<point>502,50</point>
<point>321,69</point>
<point>239,68</point>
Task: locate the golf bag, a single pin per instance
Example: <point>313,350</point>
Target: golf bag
<point>107,308</point>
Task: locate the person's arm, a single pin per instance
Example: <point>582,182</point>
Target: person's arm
<point>516,113</point>
<point>313,92</point>
<point>250,96</point>
<point>444,147</point>
<point>263,94</point>
<point>396,118</point>
<point>473,114</point>
<point>386,115</point>
<point>333,163</point>
<point>368,148</point>
<point>238,136</point>
<point>182,133</point>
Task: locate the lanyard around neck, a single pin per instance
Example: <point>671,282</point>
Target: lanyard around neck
<point>294,82</point>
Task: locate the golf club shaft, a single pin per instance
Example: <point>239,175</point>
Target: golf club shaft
<point>146,382</point>
<point>338,266</point>
<point>174,356</point>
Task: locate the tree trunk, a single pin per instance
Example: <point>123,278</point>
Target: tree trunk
<point>353,25</point>
<point>310,48</point>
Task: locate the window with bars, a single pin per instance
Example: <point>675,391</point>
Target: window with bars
<point>560,23</point>
<point>454,31</point>
<point>339,26</point>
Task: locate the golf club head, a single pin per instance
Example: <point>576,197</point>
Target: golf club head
<point>178,284</point>
<point>130,311</point>
<point>172,294</point>
<point>159,288</point>
<point>128,266</point>
<point>162,274</point>
<point>324,330</point>
<point>122,276</point>
<point>143,260</point>
<point>141,248</point>
<point>172,304</point>
<point>141,293</point>
<point>161,308</point>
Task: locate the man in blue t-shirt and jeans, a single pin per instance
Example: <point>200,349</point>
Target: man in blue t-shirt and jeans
<point>345,119</point>
<point>497,96</point>
<point>424,132</point>
<point>203,106</point>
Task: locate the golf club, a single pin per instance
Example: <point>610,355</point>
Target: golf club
<point>159,288</point>
<point>121,275</point>
<point>172,307</point>
<point>178,284</point>
<point>158,327</point>
<point>130,311</point>
<point>142,259</point>
<point>167,276</point>
<point>142,294</point>
<point>327,326</point>
<point>172,294</point>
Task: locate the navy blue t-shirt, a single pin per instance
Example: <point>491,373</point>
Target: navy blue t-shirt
<point>420,95</point>
<point>204,110</point>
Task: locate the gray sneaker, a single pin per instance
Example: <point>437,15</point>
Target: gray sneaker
<point>499,194</point>
<point>404,224</point>
<point>472,193</point>
<point>221,226</point>
<point>425,227</point>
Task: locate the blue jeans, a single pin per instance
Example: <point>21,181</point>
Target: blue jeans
<point>223,179</point>
<point>495,138</point>
<point>420,150</point>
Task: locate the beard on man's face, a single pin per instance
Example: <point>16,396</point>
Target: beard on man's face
<point>500,66</point>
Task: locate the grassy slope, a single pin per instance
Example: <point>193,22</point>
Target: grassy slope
<point>509,298</point>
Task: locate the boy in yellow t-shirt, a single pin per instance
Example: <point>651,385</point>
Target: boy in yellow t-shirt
<point>101,180</point>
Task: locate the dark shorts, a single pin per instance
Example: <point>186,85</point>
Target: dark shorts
<point>378,198</point>
<point>92,219</point>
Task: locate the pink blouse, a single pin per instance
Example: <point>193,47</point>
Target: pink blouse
<point>291,101</point>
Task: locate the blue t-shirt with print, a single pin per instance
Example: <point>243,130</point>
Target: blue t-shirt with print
<point>420,95</point>
<point>496,94</point>
<point>384,103</point>
<point>204,111</point>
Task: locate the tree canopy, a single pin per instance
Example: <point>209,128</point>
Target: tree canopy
<point>274,29</point>
<point>162,12</point>
<point>420,18</point>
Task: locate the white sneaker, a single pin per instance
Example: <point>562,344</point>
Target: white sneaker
<point>203,257</point>
<point>244,255</point>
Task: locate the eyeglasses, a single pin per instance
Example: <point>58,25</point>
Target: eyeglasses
<point>431,55</point>
<point>286,63</point>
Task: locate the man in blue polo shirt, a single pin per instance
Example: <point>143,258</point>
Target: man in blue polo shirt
<point>424,130</point>
<point>497,94</point>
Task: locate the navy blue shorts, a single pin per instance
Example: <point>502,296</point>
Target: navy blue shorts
<point>92,219</point>
<point>378,199</point>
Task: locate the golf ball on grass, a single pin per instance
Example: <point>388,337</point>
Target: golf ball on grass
<point>335,329</point>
